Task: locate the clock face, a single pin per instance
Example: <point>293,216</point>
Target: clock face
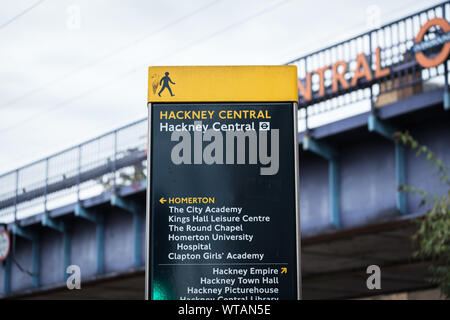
<point>4,244</point>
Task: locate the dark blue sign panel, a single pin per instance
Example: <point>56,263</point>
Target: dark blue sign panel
<point>223,207</point>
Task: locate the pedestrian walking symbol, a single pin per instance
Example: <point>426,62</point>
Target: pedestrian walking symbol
<point>165,84</point>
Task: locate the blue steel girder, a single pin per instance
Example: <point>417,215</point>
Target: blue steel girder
<point>329,153</point>
<point>386,130</point>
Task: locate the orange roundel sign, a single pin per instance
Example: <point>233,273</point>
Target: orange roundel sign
<point>421,58</point>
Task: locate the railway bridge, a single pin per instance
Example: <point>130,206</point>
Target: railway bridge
<point>85,206</point>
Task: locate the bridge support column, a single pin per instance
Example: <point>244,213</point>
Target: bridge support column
<point>137,211</point>
<point>67,239</point>
<point>7,275</point>
<point>329,153</point>
<point>98,220</point>
<point>34,238</point>
<point>446,100</point>
<point>386,130</point>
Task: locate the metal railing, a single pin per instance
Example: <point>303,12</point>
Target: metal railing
<point>117,158</point>
<point>114,159</point>
<point>406,76</point>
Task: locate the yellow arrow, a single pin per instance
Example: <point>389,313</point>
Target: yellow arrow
<point>283,270</point>
<point>162,200</point>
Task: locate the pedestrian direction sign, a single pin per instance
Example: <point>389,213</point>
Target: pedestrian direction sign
<point>222,200</point>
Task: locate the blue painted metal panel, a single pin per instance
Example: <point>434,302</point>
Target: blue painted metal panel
<point>138,223</point>
<point>381,127</point>
<point>36,264</point>
<point>368,187</point>
<point>119,238</point>
<point>51,257</point>
<point>97,218</point>
<point>137,210</point>
<point>35,242</point>
<point>400,176</point>
<point>52,223</point>
<point>63,229</point>
<point>419,174</point>
<point>314,194</point>
<point>328,152</point>
<point>84,247</point>
<point>67,245</point>
<point>446,100</point>
<point>100,240</point>
<point>319,147</point>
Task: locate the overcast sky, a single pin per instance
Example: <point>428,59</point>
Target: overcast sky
<point>72,70</point>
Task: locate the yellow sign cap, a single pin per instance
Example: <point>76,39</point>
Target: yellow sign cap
<point>222,84</point>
